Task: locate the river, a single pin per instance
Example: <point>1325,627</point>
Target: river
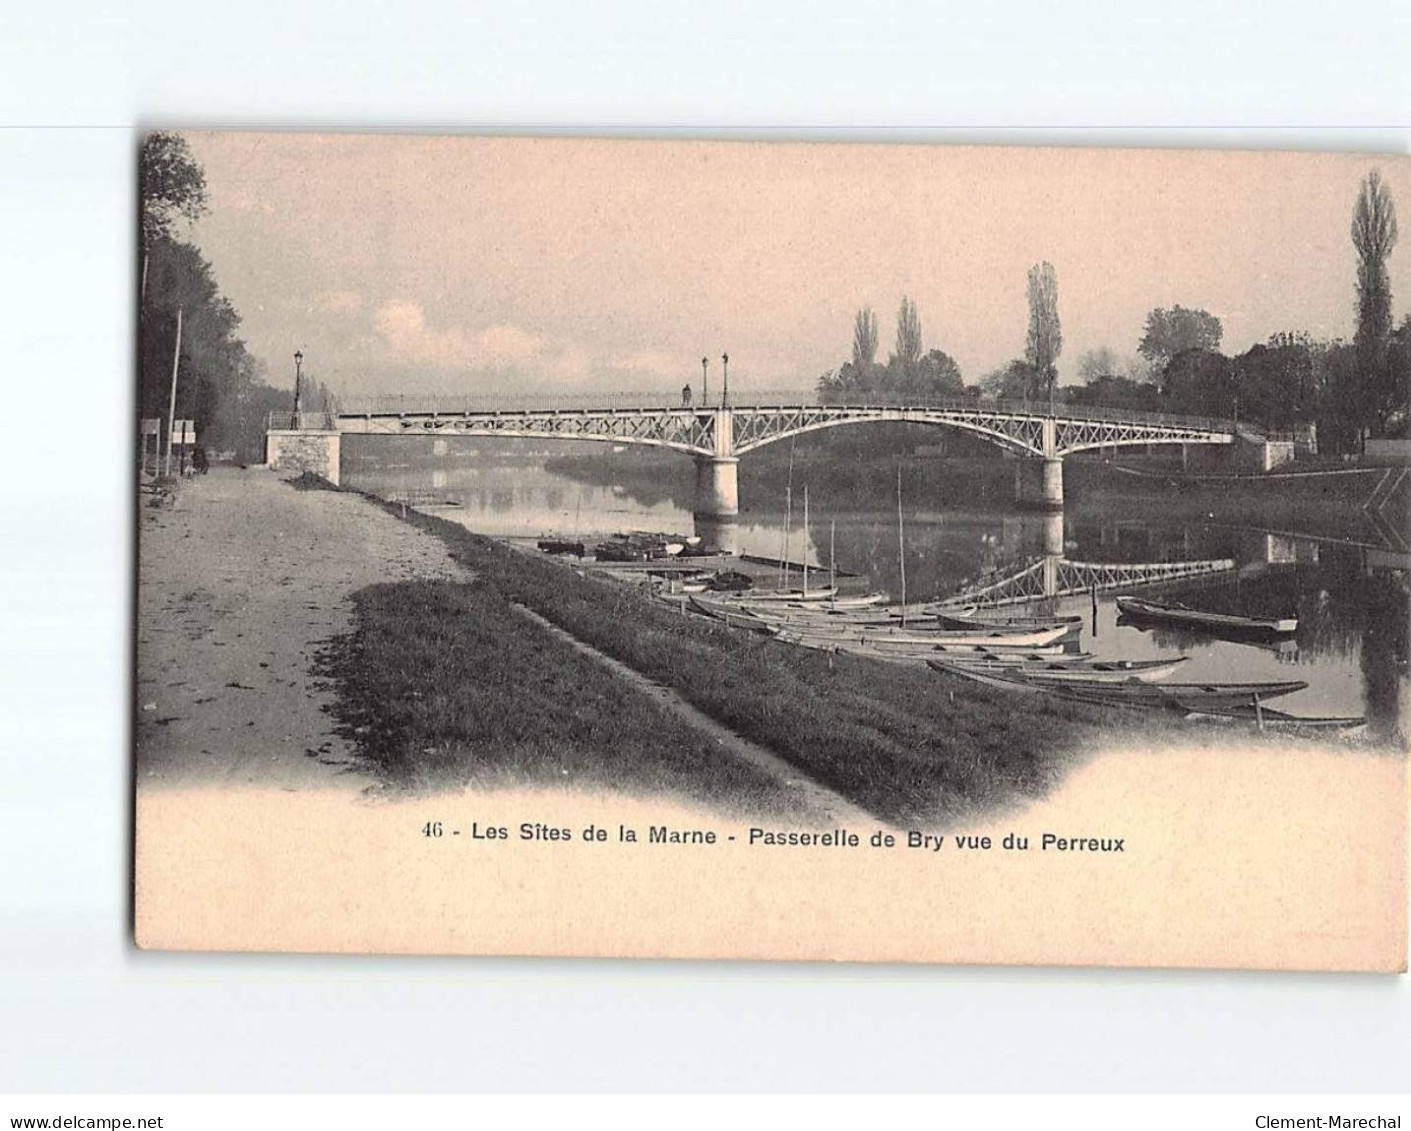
<point>1350,592</point>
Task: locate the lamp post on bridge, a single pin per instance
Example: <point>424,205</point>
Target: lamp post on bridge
<point>705,385</point>
<point>725,393</point>
<point>298,383</point>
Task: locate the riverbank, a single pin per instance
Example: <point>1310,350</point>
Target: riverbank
<point>240,581</point>
<point>321,639</point>
<point>908,746</point>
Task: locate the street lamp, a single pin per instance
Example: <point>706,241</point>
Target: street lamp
<point>725,395</point>
<point>298,383</point>
<point>705,387</point>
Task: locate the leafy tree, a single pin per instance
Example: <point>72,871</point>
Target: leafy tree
<point>1045,341</point>
<point>171,186</point>
<point>864,339</point>
<point>1105,362</point>
<point>220,385</point>
<point>1201,382</point>
<point>908,347</point>
<point>1172,332</point>
<point>1374,235</point>
<point>1016,381</point>
<point>1277,384</point>
<point>1111,391</point>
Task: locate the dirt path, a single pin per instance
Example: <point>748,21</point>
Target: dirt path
<point>239,582</point>
<point>824,807</point>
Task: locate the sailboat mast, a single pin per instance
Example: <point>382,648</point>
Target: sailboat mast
<point>805,541</point>
<point>901,547</point>
<point>833,559</point>
<point>788,517</point>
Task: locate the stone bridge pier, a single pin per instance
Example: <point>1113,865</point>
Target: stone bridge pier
<point>318,451</point>
<point>717,474</point>
<point>717,487</point>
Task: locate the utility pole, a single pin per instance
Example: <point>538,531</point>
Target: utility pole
<point>705,386</point>
<point>171,407</point>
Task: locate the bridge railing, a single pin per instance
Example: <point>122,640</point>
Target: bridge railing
<point>302,421</point>
<point>550,401</point>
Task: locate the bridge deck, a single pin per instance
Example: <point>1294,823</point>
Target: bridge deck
<point>755,420</point>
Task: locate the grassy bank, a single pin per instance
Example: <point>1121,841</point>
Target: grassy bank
<point>439,676</point>
<point>444,685</point>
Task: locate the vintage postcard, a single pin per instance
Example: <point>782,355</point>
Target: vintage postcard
<point>751,550</point>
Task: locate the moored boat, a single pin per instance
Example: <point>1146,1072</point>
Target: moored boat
<point>1174,613</point>
<point>561,546</point>
<point>1182,697</point>
<point>919,653</point>
<point>786,595</point>
<point>1078,671</point>
<point>894,635</point>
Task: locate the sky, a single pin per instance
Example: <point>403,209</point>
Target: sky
<point>456,265</point>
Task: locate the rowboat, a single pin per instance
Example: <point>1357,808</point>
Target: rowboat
<point>909,651</point>
<point>899,635</point>
<point>1183,697</point>
<point>952,619</point>
<point>1138,609</point>
<point>561,546</point>
<point>919,654</point>
<point>786,595</point>
<point>1267,718</point>
<point>898,638</point>
<point>866,621</point>
<point>843,604</point>
<point>1090,670</point>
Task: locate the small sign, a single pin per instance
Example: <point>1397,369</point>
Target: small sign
<point>183,432</point>
<point>152,427</point>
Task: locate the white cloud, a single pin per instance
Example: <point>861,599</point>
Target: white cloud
<point>505,345</point>
<point>404,329</point>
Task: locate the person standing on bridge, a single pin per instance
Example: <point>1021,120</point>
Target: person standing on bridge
<point>686,395</point>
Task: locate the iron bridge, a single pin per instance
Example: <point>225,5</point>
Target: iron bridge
<point>731,430</point>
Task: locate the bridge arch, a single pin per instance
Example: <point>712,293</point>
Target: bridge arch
<point>992,434</point>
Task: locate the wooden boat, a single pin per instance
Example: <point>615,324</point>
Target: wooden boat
<point>845,604</point>
<point>730,581</point>
<point>1173,613</point>
<point>883,620</point>
<point>1073,625</point>
<point>921,645</point>
<point>786,595</point>
<point>1266,718</point>
<point>952,619</point>
<point>675,564</point>
<point>735,618</point>
<point>1089,670</point>
<point>713,606</point>
<point>561,546</point>
<point>917,654</point>
<point>1182,697</point>
<point>1010,641</point>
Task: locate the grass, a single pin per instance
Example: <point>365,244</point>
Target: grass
<point>910,746</point>
<point>444,685</point>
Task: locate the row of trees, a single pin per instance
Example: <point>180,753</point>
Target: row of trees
<point>911,371</point>
<point>220,385</point>
<point>1350,390</point>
